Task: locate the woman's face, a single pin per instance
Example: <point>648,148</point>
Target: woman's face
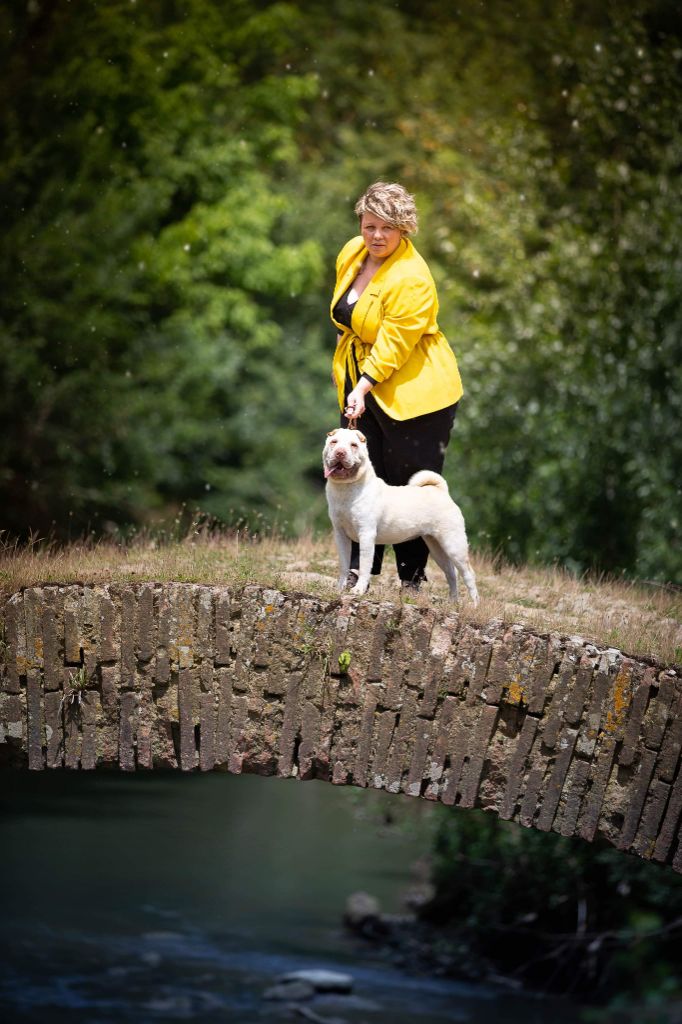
<point>381,238</point>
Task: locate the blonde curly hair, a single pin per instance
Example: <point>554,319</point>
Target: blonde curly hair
<point>392,203</point>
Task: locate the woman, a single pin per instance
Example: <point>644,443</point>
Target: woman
<point>392,366</point>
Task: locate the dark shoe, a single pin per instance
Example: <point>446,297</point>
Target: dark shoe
<point>352,578</point>
<point>410,588</point>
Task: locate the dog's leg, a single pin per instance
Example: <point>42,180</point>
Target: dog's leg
<point>452,558</point>
<point>366,540</point>
<point>343,550</point>
<point>440,558</point>
<point>464,565</point>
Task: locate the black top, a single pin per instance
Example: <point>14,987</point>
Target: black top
<point>343,310</point>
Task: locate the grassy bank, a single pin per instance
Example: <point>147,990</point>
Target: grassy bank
<point>636,617</point>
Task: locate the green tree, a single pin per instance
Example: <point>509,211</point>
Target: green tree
<point>182,180</point>
<point>562,915</point>
<point>149,308</point>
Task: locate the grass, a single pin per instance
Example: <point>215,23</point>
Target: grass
<point>635,617</point>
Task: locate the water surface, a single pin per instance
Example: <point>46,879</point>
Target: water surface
<point>182,897</point>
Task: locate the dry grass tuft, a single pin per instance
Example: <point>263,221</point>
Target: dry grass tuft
<point>637,618</point>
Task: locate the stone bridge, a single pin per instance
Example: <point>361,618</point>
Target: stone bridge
<point>549,731</point>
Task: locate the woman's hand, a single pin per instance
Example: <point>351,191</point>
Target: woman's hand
<point>355,403</point>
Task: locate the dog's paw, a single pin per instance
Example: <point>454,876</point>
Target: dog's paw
<point>348,581</point>
<point>359,589</point>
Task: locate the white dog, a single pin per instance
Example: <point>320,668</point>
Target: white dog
<point>365,509</point>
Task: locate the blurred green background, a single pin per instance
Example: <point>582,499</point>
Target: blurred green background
<point>178,177</point>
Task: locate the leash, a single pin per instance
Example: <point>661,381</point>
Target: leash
<point>351,420</point>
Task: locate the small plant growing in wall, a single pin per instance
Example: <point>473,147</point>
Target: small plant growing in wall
<point>309,644</point>
<point>392,626</point>
<point>344,661</point>
<point>75,688</point>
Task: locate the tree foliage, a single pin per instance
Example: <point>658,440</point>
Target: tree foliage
<point>180,179</point>
<point>560,914</point>
<point>149,345</point>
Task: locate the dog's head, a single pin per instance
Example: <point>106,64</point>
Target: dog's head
<point>345,455</point>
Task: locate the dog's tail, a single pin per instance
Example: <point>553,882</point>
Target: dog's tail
<point>426,478</point>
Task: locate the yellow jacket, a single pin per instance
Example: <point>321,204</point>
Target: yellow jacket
<point>395,335</point>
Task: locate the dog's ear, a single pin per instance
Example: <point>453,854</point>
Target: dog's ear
<point>361,436</point>
<point>330,433</point>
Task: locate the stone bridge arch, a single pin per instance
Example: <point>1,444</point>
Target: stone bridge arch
<point>549,731</point>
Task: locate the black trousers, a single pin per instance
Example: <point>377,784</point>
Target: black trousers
<point>399,448</point>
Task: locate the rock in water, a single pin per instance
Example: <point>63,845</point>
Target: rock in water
<point>290,991</point>
<point>320,980</point>
<point>360,907</point>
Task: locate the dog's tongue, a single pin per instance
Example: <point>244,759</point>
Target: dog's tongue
<point>329,471</point>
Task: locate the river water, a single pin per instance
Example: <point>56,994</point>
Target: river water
<point>146,898</point>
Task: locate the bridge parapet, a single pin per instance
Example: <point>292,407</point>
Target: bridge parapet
<point>549,731</point>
